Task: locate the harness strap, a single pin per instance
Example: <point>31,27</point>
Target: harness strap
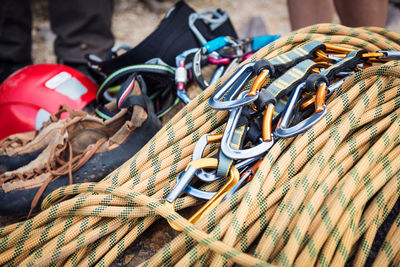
<point>168,40</point>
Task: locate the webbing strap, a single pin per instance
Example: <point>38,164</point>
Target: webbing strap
<point>171,37</point>
<point>225,163</point>
<point>317,199</point>
<point>290,79</point>
<point>348,63</point>
<point>291,58</point>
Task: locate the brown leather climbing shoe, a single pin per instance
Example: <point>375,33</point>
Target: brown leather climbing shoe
<point>85,150</point>
<point>19,149</point>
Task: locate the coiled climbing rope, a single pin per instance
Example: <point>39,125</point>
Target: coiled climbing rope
<point>319,198</point>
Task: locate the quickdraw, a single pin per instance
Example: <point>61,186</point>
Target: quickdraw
<point>327,196</point>
<point>295,75</point>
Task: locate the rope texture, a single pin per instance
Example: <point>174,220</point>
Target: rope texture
<point>317,199</point>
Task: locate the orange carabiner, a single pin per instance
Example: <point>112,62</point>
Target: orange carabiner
<point>307,103</point>
<point>320,97</point>
<point>267,122</point>
<point>211,163</point>
<point>214,138</point>
<point>372,55</point>
<point>259,81</point>
<point>338,49</point>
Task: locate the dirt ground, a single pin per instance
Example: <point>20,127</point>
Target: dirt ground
<point>133,20</point>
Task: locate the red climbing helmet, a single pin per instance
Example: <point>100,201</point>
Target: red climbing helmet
<point>30,95</point>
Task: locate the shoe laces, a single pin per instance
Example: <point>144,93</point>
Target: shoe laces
<point>14,142</point>
<point>61,160</point>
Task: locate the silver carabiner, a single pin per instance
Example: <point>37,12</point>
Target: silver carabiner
<point>227,137</point>
<point>212,176</point>
<point>217,20</point>
<point>231,88</point>
<point>389,54</point>
<point>283,130</point>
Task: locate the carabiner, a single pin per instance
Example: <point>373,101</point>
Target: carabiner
<point>233,86</point>
<point>330,90</point>
<point>259,81</point>
<point>214,22</point>
<point>198,154</point>
<point>217,74</point>
<point>206,49</point>
<point>226,148</point>
<point>337,48</point>
<point>213,202</point>
<point>389,54</point>
<point>218,61</point>
<point>198,150</point>
<point>206,195</point>
<point>283,130</point>
<point>245,177</point>
<point>193,191</point>
<point>267,122</point>
<point>184,55</point>
<point>181,80</point>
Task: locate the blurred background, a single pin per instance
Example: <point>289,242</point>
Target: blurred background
<point>133,20</point>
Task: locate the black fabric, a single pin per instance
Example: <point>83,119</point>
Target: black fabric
<point>17,203</point>
<point>348,63</point>
<point>300,115</point>
<point>265,97</point>
<point>81,27</point>
<point>135,100</point>
<point>8,68</point>
<point>10,163</point>
<point>15,31</point>
<point>314,80</point>
<point>124,86</point>
<point>253,133</point>
<point>172,37</point>
<point>263,64</point>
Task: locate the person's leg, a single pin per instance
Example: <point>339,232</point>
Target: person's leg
<point>304,13</point>
<point>357,13</point>
<point>15,36</point>
<point>82,27</point>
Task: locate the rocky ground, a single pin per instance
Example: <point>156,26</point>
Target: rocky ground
<point>133,21</point>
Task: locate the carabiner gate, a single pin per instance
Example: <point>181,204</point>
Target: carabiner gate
<point>226,148</point>
<point>283,130</point>
<point>232,87</point>
<point>210,204</point>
